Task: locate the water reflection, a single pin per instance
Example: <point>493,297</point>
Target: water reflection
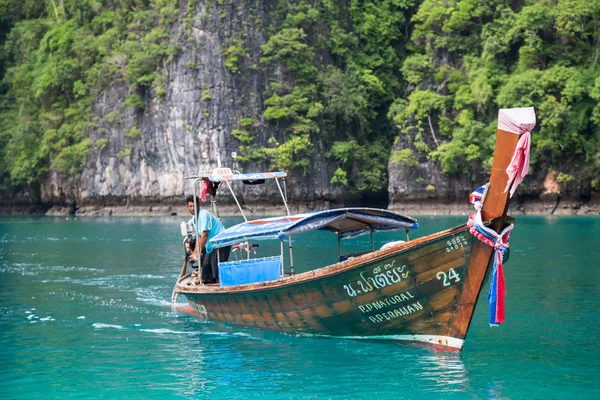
<point>221,358</point>
<point>445,371</point>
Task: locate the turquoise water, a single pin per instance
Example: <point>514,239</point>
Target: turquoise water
<point>85,313</point>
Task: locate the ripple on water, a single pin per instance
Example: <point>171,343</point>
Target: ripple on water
<point>29,269</point>
<point>161,302</point>
<point>99,325</point>
<point>166,331</point>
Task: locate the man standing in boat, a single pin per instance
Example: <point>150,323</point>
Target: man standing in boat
<point>208,227</point>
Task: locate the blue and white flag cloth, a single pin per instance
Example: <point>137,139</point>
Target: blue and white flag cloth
<point>479,194</point>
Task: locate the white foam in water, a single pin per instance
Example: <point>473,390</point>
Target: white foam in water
<point>30,316</point>
<point>242,334</point>
<point>154,302</point>
<point>163,330</point>
<point>81,317</point>
<point>46,319</point>
<point>214,333</point>
<point>99,325</point>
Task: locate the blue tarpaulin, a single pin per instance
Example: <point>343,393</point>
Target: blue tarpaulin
<point>249,271</point>
<point>347,222</point>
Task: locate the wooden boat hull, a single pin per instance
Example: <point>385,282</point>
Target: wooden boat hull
<point>423,291</point>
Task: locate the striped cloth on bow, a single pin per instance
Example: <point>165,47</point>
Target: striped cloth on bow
<point>478,195</point>
<point>499,241</point>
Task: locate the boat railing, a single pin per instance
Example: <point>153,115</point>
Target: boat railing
<point>244,248</point>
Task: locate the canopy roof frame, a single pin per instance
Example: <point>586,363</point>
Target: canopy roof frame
<point>227,175</point>
<point>281,227</point>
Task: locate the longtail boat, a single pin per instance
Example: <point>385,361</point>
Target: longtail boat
<point>421,291</point>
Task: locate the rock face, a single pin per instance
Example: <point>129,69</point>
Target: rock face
<point>142,156</point>
<point>425,182</point>
<point>202,105</point>
<point>413,187</point>
<point>423,189</point>
<point>27,201</point>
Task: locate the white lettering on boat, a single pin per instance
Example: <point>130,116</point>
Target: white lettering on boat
<point>386,302</point>
<point>383,275</point>
<point>396,312</point>
<point>452,274</point>
<point>455,243</point>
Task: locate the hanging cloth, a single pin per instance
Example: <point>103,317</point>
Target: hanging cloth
<point>499,241</point>
<point>519,121</point>
<point>205,188</point>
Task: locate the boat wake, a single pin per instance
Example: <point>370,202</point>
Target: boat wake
<point>167,331</point>
<point>99,325</point>
<point>160,331</point>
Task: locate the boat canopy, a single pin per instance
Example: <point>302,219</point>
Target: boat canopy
<point>226,174</point>
<point>346,222</point>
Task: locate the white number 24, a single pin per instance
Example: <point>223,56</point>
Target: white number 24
<point>452,274</point>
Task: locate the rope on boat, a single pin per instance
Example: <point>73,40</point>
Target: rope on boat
<point>499,241</point>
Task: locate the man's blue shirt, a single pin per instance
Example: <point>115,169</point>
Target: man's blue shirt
<point>208,222</point>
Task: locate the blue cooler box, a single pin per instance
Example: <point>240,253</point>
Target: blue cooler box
<point>249,271</point>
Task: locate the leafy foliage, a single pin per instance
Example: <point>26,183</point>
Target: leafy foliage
<point>339,71</point>
<point>475,57</point>
<point>54,63</point>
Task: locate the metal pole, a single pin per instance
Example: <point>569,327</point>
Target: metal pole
<point>218,262</point>
<point>236,201</point>
<point>407,239</point>
<point>291,256</point>
<point>285,189</point>
<point>215,208</point>
<point>372,244</point>
<point>282,196</point>
<point>195,216</point>
<point>281,275</point>
<point>339,246</point>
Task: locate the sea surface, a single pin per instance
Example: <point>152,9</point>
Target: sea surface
<point>85,313</point>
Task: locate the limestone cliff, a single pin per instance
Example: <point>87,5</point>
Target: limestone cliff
<point>141,156</point>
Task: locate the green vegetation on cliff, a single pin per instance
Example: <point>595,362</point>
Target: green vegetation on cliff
<point>438,71</point>
<point>55,56</point>
<point>348,80</point>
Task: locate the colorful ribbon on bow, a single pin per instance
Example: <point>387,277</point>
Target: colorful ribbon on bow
<point>499,241</point>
